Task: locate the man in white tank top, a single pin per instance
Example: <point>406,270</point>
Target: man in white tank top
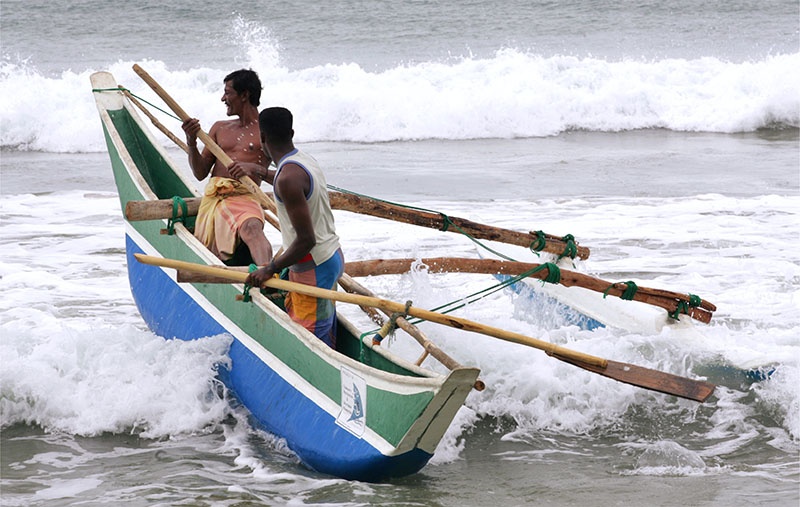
<point>311,247</point>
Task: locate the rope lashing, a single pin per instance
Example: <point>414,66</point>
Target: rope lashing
<point>390,325</point>
<point>553,273</point>
<point>538,245</point>
<point>570,249</point>
<point>446,222</point>
<point>246,294</point>
<point>628,294</point>
<point>684,306</point>
<point>177,202</point>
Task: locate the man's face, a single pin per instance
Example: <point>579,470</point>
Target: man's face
<point>232,99</point>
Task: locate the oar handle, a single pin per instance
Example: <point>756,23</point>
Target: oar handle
<point>207,141</point>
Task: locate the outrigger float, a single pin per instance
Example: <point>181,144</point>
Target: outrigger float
<point>357,412</point>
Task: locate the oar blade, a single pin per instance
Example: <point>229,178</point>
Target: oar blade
<point>654,380</point>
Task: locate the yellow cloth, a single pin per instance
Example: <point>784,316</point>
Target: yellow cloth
<point>225,206</point>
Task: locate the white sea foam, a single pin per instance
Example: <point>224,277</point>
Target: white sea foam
<point>510,95</point>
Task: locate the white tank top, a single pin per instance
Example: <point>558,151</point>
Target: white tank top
<point>318,204</point>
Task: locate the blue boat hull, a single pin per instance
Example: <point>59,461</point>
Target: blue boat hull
<point>278,407</point>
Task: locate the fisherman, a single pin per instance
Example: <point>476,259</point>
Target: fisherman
<point>229,214</point>
<point>311,248</point>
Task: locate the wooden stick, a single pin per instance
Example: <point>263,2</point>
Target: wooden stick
<point>623,372</point>
<point>657,297</point>
<point>661,298</point>
<point>160,126</point>
<point>218,152</point>
<point>382,209</point>
<point>161,209</point>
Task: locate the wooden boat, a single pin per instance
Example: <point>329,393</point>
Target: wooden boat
<point>357,412</point>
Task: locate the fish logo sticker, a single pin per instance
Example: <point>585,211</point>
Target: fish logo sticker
<point>358,407</point>
<point>353,412</point>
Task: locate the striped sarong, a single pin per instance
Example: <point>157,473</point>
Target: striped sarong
<point>226,205</point>
<point>316,314</point>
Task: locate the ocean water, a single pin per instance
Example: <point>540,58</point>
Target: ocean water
<point>662,135</point>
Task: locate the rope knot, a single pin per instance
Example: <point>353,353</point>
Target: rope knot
<point>246,293</point>
<point>390,325</point>
<point>570,249</point>
<point>177,202</point>
<point>446,222</point>
<point>538,245</point>
<point>628,294</point>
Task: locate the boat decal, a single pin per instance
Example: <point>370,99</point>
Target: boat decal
<point>353,412</point>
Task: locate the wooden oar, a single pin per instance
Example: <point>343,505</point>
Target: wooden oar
<point>218,152</point>
<point>622,372</point>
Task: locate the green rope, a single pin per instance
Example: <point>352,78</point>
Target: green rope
<point>629,292</point>
<point>684,306</point>
<point>538,245</point>
<point>246,294</point>
<point>570,249</point>
<point>446,222</point>
<point>121,89</point>
<point>177,201</point>
<point>553,276</point>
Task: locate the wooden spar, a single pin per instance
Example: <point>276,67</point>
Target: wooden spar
<point>382,209</point>
<point>218,152</point>
<point>162,209</point>
<point>667,300</point>
<point>623,372</point>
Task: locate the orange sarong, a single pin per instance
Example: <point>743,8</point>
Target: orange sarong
<point>225,206</point>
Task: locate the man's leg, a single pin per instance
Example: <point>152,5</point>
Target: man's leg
<point>252,233</point>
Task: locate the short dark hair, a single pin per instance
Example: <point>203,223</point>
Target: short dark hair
<point>246,80</point>
<point>276,124</point>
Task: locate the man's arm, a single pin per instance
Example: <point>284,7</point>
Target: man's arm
<point>292,187</point>
<point>201,163</point>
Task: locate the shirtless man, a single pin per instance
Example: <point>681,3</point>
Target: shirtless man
<point>229,213</point>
